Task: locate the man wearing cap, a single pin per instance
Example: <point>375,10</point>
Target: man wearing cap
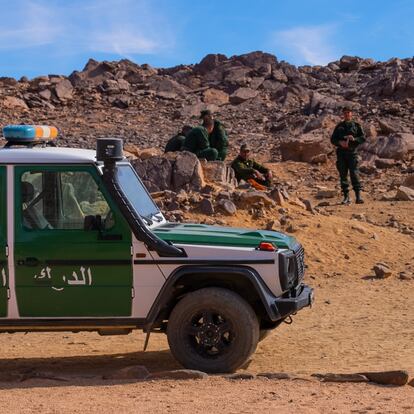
<point>249,170</point>
<point>176,142</point>
<point>347,136</point>
<point>197,142</point>
<point>217,135</point>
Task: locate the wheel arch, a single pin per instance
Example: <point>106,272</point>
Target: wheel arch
<point>242,280</point>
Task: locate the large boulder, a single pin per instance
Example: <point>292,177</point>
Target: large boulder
<point>237,75</point>
<point>409,181</point>
<point>187,172</point>
<point>11,102</point>
<point>94,73</point>
<point>209,62</point>
<point>64,89</point>
<point>219,173</point>
<point>242,94</point>
<point>310,148</point>
<point>215,96</point>
<point>172,171</point>
<point>348,63</point>
<point>405,194</point>
<point>395,146</point>
<point>155,172</point>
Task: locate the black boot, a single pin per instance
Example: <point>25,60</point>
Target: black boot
<point>346,199</point>
<point>358,198</point>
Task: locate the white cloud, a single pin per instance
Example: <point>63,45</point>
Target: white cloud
<point>123,27</point>
<point>30,25</point>
<point>307,44</point>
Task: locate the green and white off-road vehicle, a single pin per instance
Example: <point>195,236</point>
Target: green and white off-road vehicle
<point>83,247</point>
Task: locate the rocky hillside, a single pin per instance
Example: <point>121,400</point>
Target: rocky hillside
<point>258,98</point>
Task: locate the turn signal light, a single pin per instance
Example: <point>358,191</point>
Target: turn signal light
<point>267,247</point>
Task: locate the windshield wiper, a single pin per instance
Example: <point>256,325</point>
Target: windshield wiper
<point>147,220</point>
<point>157,218</point>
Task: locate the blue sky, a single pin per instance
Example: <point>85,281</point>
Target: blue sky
<point>56,37</point>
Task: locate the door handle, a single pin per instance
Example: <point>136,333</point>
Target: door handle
<point>29,261</point>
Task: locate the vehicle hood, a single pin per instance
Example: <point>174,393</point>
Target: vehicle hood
<point>204,234</point>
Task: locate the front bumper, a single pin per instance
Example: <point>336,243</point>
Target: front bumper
<point>283,307</point>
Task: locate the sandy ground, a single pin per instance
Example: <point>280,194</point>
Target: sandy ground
<point>208,396</point>
<point>358,323</point>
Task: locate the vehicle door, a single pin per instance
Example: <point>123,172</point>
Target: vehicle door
<point>72,245</point>
<point>4,279</point>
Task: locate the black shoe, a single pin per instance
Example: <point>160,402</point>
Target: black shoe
<point>358,199</point>
<point>346,199</point>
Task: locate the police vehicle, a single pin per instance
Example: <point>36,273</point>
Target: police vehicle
<point>83,247</point>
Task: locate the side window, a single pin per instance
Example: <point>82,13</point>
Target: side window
<point>62,200</point>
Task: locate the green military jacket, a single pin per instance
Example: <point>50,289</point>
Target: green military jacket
<point>175,143</point>
<point>345,128</point>
<point>197,140</point>
<point>219,140</point>
<point>244,169</point>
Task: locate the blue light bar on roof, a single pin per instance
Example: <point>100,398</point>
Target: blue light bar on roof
<point>29,133</point>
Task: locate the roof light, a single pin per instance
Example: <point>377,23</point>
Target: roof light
<point>29,133</point>
<point>267,247</point>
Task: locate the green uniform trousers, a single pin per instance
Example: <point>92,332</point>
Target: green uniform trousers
<point>347,161</point>
<point>222,154</point>
<point>210,154</point>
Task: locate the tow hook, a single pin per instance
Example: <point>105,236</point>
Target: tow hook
<point>311,298</point>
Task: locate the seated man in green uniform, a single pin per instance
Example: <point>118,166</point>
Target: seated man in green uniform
<point>198,143</point>
<point>347,136</point>
<point>216,134</point>
<point>248,169</point>
<point>176,142</point>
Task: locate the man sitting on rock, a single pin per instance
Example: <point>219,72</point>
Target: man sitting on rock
<point>197,142</point>
<point>251,171</point>
<point>175,143</point>
<point>217,135</point>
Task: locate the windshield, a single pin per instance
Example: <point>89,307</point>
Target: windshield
<point>137,194</point>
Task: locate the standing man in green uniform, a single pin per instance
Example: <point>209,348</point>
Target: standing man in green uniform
<point>217,135</point>
<point>247,168</point>
<point>198,143</point>
<point>347,136</point>
<point>176,142</point>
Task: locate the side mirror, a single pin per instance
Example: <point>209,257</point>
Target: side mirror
<point>93,223</point>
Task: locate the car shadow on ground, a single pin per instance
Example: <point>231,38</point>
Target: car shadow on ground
<point>88,370</point>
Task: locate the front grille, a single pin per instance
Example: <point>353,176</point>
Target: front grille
<point>300,261</point>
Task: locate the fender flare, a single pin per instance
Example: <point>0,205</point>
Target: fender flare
<point>169,292</point>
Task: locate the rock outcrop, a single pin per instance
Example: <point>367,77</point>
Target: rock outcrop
<point>271,105</point>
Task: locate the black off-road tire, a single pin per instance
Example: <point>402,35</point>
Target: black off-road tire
<point>213,315</point>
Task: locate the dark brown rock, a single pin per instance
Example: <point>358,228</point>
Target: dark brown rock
<point>384,163</point>
<point>405,194</point>
<point>275,375</point>
<point>240,376</point>
<point>382,271</point>
<point>399,377</point>
<point>228,207</point>
<point>64,89</point>
<point>179,374</point>
<point>309,149</point>
<point>242,94</point>
<point>138,372</point>
<point>395,146</point>
<point>341,377</point>
<point>206,207</point>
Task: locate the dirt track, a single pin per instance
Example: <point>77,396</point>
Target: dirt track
<point>358,323</point>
